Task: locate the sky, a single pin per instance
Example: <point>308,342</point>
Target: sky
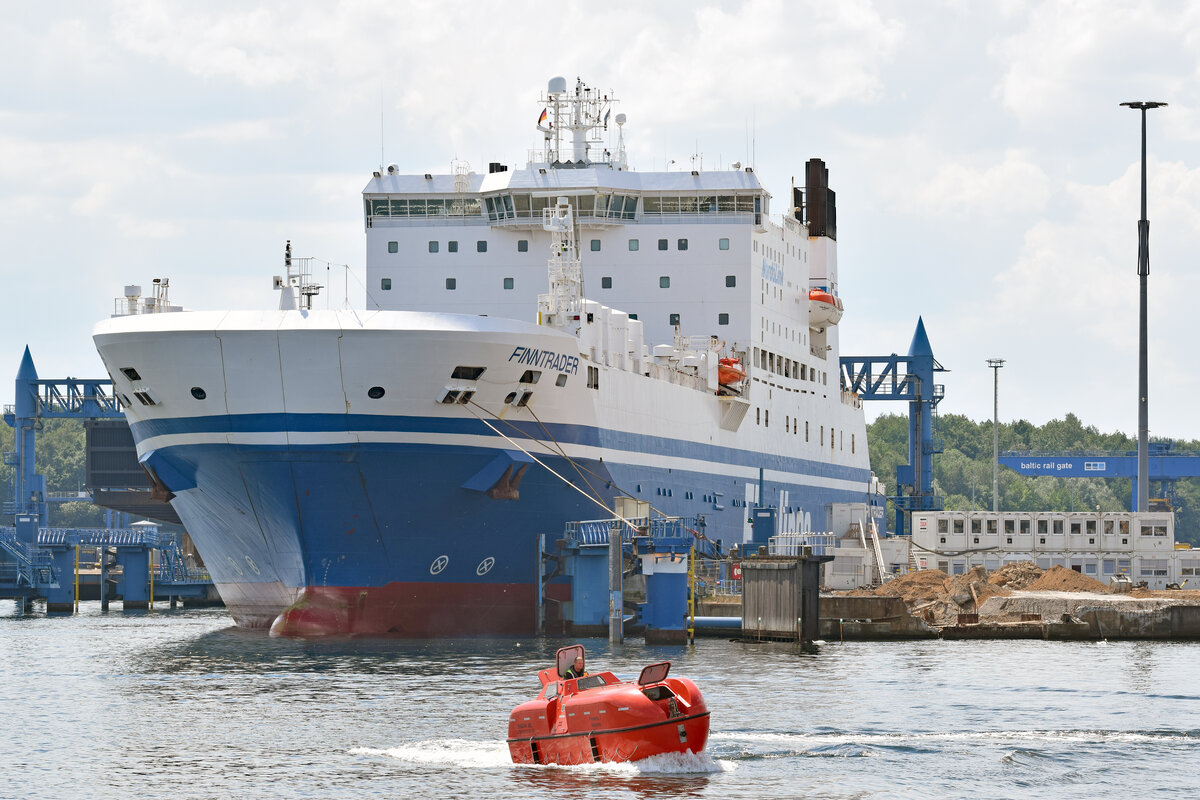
<point>987,178</point>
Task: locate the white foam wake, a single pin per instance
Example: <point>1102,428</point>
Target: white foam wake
<point>467,754</point>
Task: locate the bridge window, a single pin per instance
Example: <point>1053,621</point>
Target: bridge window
<point>452,246</point>
<point>723,244</point>
<point>633,244</point>
<point>662,244</point>
<point>451,283</point>
<point>595,245</point>
<point>385,284</point>
<point>682,244</point>
<point>522,245</point>
<point>481,246</point>
<point>393,247</point>
<point>508,283</point>
<point>606,282</point>
<point>722,319</point>
<point>433,247</point>
<point>730,281</point>
<point>664,282</point>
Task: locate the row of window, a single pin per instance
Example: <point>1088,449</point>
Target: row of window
<point>787,367</point>
<point>1053,526</point>
<point>762,416</point>
<point>481,246</point>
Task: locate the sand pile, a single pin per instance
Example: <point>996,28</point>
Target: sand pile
<point>1017,575</point>
<point>914,587</point>
<point>1061,579</point>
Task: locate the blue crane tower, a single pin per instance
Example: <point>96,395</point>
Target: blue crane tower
<point>910,378</point>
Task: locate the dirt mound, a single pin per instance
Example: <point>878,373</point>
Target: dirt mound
<point>915,587</point>
<point>1061,579</point>
<point>1017,575</point>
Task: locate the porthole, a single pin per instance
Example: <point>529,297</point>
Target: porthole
<point>199,393</point>
<point>375,392</point>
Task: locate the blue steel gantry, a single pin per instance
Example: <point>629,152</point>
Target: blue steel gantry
<point>1166,465</point>
<point>905,378</point>
<point>39,561</point>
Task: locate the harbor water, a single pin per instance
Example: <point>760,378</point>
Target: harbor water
<point>183,705</point>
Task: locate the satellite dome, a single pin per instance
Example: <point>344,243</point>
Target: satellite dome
<point>557,85</point>
<point>620,118</point>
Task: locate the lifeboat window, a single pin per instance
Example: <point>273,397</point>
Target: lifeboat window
<point>589,682</point>
<point>723,244</point>
<point>552,690</point>
<point>731,280</point>
<point>199,393</point>
<point>131,373</point>
<point>722,319</point>
<point>467,373</point>
<point>508,283</point>
<point>522,245</point>
<point>375,392</point>
<point>606,282</point>
<point>531,376</point>
<point>561,380</point>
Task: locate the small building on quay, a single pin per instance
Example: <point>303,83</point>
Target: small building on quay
<point>1138,545</point>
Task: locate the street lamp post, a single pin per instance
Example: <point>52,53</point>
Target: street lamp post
<point>1143,481</point>
<point>995,364</point>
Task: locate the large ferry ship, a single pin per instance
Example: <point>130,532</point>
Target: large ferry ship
<point>537,342</point>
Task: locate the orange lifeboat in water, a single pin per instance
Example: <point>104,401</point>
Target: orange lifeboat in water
<point>823,308</point>
<point>598,717</point>
<point>729,371</point>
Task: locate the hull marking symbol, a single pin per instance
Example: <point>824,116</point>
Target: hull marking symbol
<point>485,566</point>
<point>438,564</point>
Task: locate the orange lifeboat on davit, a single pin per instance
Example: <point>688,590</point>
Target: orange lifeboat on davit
<point>729,371</point>
<point>823,308</point>
<point>598,717</point>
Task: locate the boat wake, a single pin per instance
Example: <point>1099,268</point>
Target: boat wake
<point>466,754</point>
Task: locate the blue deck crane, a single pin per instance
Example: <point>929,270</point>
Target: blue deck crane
<point>910,378</point>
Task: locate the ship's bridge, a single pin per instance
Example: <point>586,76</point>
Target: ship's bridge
<point>600,197</point>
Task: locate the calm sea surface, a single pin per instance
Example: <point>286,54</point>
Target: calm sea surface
<point>183,705</point>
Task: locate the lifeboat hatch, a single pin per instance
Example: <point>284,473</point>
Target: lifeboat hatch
<point>596,750</point>
<point>533,751</point>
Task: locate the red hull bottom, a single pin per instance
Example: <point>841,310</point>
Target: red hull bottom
<point>416,610</point>
<point>678,735</point>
